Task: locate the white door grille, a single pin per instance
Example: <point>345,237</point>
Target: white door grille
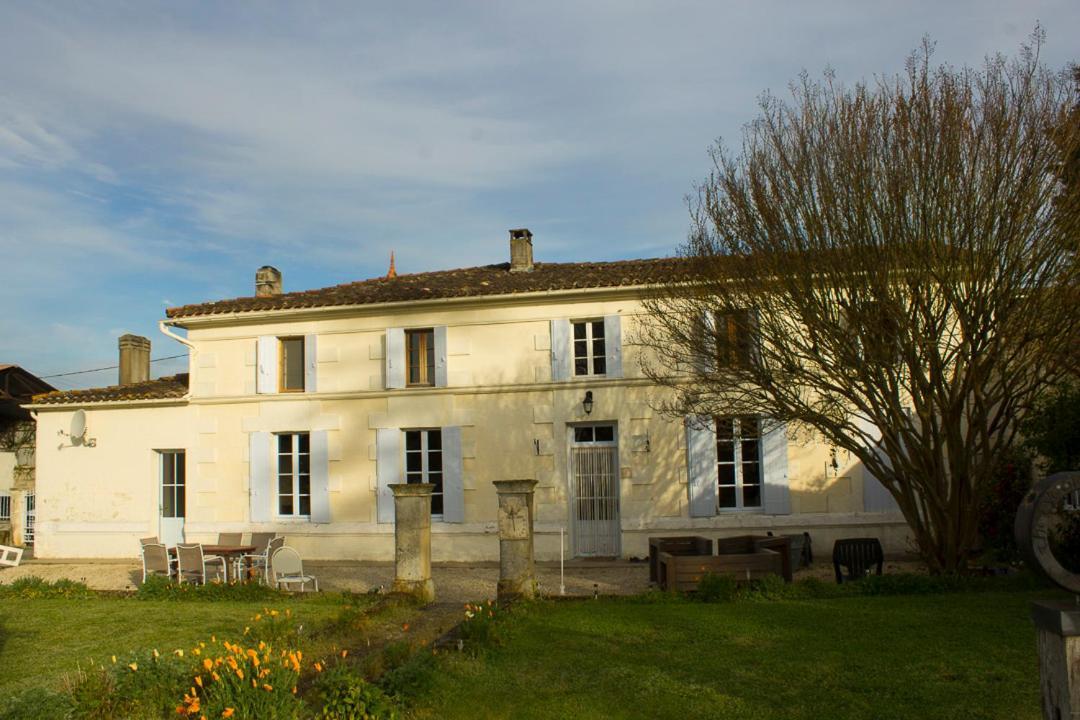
<point>5,507</point>
<point>596,501</point>
<point>28,528</point>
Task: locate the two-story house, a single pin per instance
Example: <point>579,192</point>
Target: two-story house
<point>300,410</point>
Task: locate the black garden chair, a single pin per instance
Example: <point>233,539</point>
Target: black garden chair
<point>858,556</point>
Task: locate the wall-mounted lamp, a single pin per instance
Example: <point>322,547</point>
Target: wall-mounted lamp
<point>587,403</point>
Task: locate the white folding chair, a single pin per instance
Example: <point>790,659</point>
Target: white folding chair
<point>155,561</point>
<point>191,564</point>
<point>288,569</point>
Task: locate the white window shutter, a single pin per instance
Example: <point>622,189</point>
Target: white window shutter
<point>774,461</point>
<point>701,465</point>
<point>395,358</point>
<point>706,361</point>
<point>453,485</point>
<point>876,498</point>
<point>560,350</point>
<point>613,345</point>
<point>266,359</point>
<point>387,470</point>
<point>440,356</point>
<point>320,477</point>
<point>260,494</point>
<point>311,362</point>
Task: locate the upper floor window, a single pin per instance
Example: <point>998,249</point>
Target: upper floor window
<point>424,463</point>
<point>291,365</point>
<point>420,351</point>
<point>294,474</point>
<point>590,353</point>
<point>738,462</point>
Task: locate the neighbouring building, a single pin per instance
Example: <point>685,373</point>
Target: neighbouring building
<point>300,409</point>
<point>17,443</point>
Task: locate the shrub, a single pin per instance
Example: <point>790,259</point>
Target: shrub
<point>36,704</point>
<point>32,587</point>
<point>160,588</point>
<point>478,627</point>
<point>341,694</point>
<point>411,679</point>
<point>137,685</point>
<point>770,587</point>
<point>715,587</point>
<point>997,508</point>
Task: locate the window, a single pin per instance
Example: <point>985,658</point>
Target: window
<point>173,483</point>
<point>292,365</point>
<point>733,333</point>
<point>294,475</point>
<point>594,433</point>
<point>424,463</point>
<point>738,463</point>
<point>590,355</point>
<point>420,351</point>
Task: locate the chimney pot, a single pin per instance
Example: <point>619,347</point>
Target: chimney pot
<point>134,359</point>
<point>521,250</point>
<point>267,281</point>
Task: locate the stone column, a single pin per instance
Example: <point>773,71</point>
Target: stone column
<point>517,571</point>
<point>1058,625</point>
<point>412,541</point>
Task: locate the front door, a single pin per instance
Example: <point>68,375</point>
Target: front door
<point>594,487</point>
<point>173,497</point>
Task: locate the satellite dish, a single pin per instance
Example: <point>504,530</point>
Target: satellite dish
<point>78,425</point>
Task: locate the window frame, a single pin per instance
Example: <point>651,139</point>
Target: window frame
<point>180,496</point>
<point>738,464</point>
<point>591,357</point>
<point>426,357</point>
<point>294,475</point>
<point>283,369</point>
<point>425,471</point>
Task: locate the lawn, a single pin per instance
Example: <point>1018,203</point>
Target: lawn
<point>929,656</point>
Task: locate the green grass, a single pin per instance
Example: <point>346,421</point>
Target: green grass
<point>925,656</point>
<point>41,640</point>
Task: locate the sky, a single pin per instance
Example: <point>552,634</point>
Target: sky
<point>156,154</point>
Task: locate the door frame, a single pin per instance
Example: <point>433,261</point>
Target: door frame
<point>570,484</point>
<point>161,454</point>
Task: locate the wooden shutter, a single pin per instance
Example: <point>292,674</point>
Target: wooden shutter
<point>395,358</point>
<point>561,362</point>
<point>266,360</point>
<point>311,362</point>
<point>387,470</point>
<point>774,461</point>
<point>613,345</point>
<point>260,473</point>
<point>440,355</point>
<point>453,486</point>
<point>320,477</point>
<point>701,465</point>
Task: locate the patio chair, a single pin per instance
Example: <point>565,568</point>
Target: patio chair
<point>858,556</point>
<point>261,541</point>
<point>230,538</point>
<point>155,561</point>
<point>149,540</point>
<point>192,563</point>
<point>288,569</point>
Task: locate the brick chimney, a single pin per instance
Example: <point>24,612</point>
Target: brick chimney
<point>267,281</point>
<point>521,256</point>
<point>134,359</point>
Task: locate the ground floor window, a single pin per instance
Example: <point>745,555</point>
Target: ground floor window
<point>424,463</point>
<point>738,462</point>
<point>294,474</point>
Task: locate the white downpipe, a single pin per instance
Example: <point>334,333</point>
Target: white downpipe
<point>162,326</point>
<point>562,575</point>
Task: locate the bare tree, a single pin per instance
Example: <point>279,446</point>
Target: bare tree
<point>893,266</point>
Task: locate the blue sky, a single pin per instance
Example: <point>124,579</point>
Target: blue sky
<point>156,154</point>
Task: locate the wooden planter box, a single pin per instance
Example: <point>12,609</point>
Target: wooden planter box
<point>683,573</point>
<point>749,544</point>
<point>682,545</point>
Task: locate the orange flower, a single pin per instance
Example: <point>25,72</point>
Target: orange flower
<point>344,653</point>
<point>208,663</point>
<point>133,666</point>
<point>267,688</point>
<point>227,712</point>
<point>215,676</point>
<point>405,627</point>
<point>318,667</point>
<point>239,673</point>
<point>294,690</point>
<point>198,680</point>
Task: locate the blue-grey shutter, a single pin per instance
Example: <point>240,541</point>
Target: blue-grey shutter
<point>701,465</point>
<point>311,361</point>
<point>705,361</point>
<point>440,356</point>
<point>560,350</point>
<point>387,470</point>
<point>395,358</point>
<point>613,345</point>
<point>266,362</point>
<point>774,461</point>
<point>453,487</point>
<point>260,493</point>
<point>876,498</point>
<point>320,477</point>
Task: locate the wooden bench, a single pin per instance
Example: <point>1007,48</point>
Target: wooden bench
<point>683,573</point>
<point>680,545</point>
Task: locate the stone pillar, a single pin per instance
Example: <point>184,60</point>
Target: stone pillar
<point>1058,625</point>
<point>412,540</point>
<point>517,571</point>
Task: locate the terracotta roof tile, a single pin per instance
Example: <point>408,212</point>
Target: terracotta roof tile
<point>175,386</point>
<point>488,280</point>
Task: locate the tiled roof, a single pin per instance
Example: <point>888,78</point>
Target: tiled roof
<point>164,388</point>
<point>466,282</point>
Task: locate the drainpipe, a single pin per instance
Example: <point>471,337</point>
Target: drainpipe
<point>162,326</point>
